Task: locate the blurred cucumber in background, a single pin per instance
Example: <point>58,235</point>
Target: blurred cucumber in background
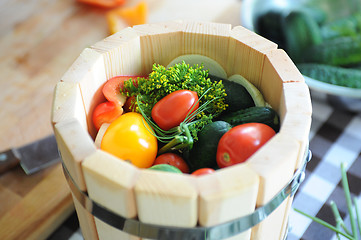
<point>322,37</point>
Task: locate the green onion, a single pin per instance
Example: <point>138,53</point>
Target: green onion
<point>340,225</point>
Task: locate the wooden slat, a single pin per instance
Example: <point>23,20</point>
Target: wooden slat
<point>296,111</point>
<point>159,43</point>
<point>271,228</point>
<point>167,199</point>
<point>274,163</point>
<point>246,54</point>
<point>110,182</point>
<point>88,71</point>
<point>68,104</point>
<point>86,221</point>
<point>226,195</point>
<point>108,232</point>
<point>74,145</point>
<point>278,69</point>
<point>208,39</point>
<point>298,127</point>
<point>296,99</point>
<point>122,53</point>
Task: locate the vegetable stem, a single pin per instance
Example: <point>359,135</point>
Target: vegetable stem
<point>178,142</point>
<point>325,224</point>
<point>348,201</point>
<point>358,216</point>
<point>339,222</point>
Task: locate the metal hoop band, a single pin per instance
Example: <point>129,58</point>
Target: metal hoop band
<point>220,231</point>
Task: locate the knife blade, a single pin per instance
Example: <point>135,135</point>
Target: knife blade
<point>32,157</point>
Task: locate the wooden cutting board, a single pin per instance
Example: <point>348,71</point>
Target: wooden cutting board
<point>39,40</point>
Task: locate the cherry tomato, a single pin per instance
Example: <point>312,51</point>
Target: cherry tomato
<point>111,89</point>
<point>203,171</point>
<point>239,143</point>
<point>174,160</point>
<point>129,138</point>
<point>171,110</point>
<point>106,112</point>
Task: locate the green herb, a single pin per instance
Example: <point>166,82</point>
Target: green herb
<point>340,228</point>
<point>160,83</point>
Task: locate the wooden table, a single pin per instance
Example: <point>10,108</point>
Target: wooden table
<point>39,40</point>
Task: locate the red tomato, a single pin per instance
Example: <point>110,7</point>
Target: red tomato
<point>174,160</point>
<point>239,143</point>
<point>171,110</point>
<point>106,112</point>
<point>111,89</point>
<point>203,171</point>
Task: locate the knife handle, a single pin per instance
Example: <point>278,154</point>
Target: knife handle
<point>7,161</point>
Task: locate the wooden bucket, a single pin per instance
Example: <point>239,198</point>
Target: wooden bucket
<point>155,204</point>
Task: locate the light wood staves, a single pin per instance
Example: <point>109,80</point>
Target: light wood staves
<point>39,40</point>
<point>151,196</point>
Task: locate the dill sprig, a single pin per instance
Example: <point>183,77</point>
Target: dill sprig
<point>184,135</point>
<point>161,82</point>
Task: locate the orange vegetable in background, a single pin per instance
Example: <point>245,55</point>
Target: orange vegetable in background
<point>127,16</point>
<point>129,138</point>
<point>104,3</point>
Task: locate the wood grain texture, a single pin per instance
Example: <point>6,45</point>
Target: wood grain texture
<point>40,44</point>
<point>167,199</point>
<point>226,195</point>
<point>42,209</point>
<point>110,182</point>
<point>75,145</point>
<point>86,221</point>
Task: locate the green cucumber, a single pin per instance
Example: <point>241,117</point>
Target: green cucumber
<point>237,96</point>
<point>347,26</point>
<point>269,25</point>
<point>213,66</point>
<point>337,51</point>
<point>264,115</point>
<point>301,31</point>
<point>251,89</point>
<point>204,151</point>
<point>346,77</point>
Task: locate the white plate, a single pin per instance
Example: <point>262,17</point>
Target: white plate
<point>333,89</point>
